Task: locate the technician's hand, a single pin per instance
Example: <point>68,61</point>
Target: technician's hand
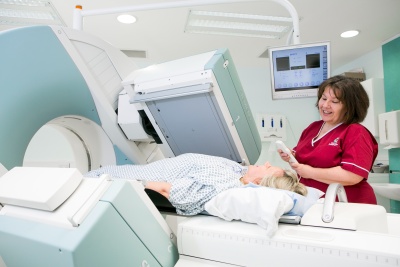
<point>303,170</point>
<point>284,156</point>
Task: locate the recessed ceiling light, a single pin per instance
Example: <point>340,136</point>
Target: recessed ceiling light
<point>28,12</point>
<point>127,19</point>
<point>349,34</point>
<point>237,24</point>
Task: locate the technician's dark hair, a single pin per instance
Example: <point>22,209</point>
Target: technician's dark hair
<point>351,93</point>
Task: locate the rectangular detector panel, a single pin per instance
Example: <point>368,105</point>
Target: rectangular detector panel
<point>234,96</point>
<point>194,124</point>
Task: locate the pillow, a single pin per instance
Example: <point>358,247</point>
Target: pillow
<point>261,205</point>
<point>303,203</point>
<point>314,192</point>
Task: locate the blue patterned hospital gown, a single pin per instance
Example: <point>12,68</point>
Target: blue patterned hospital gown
<point>195,178</point>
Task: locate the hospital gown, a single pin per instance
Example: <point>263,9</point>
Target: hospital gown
<point>194,178</point>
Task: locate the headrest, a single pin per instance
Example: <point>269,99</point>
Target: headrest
<point>351,216</point>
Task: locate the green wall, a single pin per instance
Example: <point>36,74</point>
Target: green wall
<point>391,70</point>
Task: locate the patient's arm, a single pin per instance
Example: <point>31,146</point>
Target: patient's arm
<point>161,187</point>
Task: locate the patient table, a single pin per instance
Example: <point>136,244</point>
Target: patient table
<point>107,222</point>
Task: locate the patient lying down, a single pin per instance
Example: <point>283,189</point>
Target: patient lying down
<point>189,181</point>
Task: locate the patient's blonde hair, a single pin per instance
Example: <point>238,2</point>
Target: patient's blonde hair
<point>288,181</point>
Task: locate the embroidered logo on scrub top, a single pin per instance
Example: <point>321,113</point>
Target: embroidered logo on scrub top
<point>335,142</point>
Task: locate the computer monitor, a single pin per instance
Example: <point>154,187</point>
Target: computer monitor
<point>298,70</point>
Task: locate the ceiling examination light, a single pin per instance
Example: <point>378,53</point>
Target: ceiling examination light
<point>127,19</point>
<point>349,34</point>
<point>235,24</point>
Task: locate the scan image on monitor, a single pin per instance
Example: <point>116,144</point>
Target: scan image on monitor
<point>298,70</point>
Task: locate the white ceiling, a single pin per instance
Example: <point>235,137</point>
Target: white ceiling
<point>161,32</point>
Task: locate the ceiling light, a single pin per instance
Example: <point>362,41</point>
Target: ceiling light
<point>15,13</point>
<point>28,12</point>
<point>216,24</point>
<point>238,16</point>
<point>236,24</point>
<point>235,34</point>
<point>24,2</point>
<point>349,34</point>
<point>127,19</point>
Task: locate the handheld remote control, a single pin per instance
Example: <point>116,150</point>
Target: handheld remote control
<point>281,145</point>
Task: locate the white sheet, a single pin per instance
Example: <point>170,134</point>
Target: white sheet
<point>261,205</point>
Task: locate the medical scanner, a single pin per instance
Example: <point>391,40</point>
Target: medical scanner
<point>195,101</point>
<point>116,113</point>
<point>92,225</point>
<point>75,82</point>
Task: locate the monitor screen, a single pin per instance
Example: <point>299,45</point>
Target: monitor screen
<point>298,70</point>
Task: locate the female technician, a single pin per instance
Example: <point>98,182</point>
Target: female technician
<point>337,149</point>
